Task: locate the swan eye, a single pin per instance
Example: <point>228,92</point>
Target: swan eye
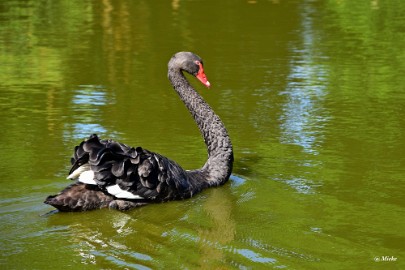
<point>199,66</point>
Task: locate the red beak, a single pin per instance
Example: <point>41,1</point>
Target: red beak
<point>202,77</point>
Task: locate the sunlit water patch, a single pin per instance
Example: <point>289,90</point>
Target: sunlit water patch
<point>86,105</point>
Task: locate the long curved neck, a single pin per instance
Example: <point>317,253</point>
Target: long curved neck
<point>218,167</point>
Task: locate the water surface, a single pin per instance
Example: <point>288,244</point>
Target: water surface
<point>311,93</point>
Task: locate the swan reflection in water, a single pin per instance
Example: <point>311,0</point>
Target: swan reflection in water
<point>152,236</point>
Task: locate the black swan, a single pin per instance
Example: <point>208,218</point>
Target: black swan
<point>114,175</point>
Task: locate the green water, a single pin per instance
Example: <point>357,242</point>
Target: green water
<point>311,92</point>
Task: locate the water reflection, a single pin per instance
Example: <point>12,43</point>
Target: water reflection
<point>255,257</point>
<point>304,117</point>
<point>218,207</point>
<point>86,106</point>
<point>89,95</point>
<point>147,237</point>
<point>95,246</point>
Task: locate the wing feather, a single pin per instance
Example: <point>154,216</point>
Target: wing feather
<point>130,173</point>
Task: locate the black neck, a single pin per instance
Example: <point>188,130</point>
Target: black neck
<point>218,167</point>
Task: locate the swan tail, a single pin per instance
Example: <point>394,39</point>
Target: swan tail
<point>82,197</point>
<point>79,197</point>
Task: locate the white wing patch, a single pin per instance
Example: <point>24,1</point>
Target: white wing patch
<point>84,175</point>
<point>87,177</point>
<point>76,173</point>
<point>116,191</point>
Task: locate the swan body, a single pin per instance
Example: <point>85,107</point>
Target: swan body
<point>111,174</point>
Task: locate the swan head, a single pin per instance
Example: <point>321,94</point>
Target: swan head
<point>191,63</point>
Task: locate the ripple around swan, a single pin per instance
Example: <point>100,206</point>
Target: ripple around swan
<point>237,180</point>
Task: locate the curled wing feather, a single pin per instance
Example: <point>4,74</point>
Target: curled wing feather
<point>144,174</point>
